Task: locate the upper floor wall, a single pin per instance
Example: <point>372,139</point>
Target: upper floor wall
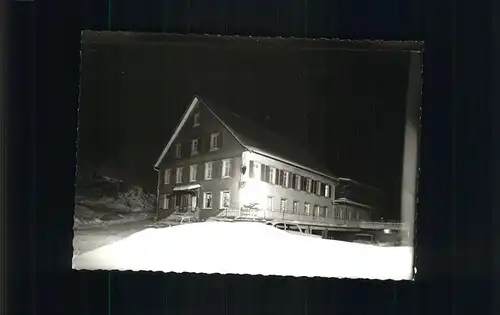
<point>202,138</point>
<point>267,179</point>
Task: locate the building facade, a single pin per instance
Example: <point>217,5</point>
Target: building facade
<point>213,166</point>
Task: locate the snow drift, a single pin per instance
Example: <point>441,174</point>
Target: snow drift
<point>247,248</point>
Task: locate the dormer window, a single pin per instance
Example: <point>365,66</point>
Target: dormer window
<point>196,119</point>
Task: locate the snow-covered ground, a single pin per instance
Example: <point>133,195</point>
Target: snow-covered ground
<point>92,237</point>
<point>247,248</point>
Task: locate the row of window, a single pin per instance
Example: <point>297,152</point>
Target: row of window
<point>207,202</point>
<point>340,213</point>
<point>193,172</point>
<point>287,179</point>
<point>195,145</point>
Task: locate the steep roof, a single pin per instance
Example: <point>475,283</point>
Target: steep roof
<point>259,139</point>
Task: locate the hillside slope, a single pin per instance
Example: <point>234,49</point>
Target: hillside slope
<point>104,200</point>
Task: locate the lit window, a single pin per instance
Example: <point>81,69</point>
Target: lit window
<point>283,205</point>
<point>193,170</point>
<point>214,142</point>
<point>196,120</point>
<point>224,199</point>
<point>208,170</point>
<point>168,173</point>
<point>194,146</point>
<point>316,211</point>
<point>178,150</point>
<point>178,175</point>
<point>226,168</point>
<point>297,182</point>
<point>327,191</point>
<point>308,185</point>
<point>295,208</point>
<point>272,175</point>
<point>270,203</point>
<point>207,200</point>
<point>285,179</point>
<point>254,171</point>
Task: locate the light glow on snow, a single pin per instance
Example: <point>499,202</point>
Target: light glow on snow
<point>247,248</point>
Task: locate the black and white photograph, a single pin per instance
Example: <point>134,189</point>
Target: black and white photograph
<point>245,155</point>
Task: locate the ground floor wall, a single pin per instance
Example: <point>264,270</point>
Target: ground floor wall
<point>205,200</point>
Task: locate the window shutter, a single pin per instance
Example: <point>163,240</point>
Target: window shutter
<point>267,179</point>
<point>200,175</point>
<point>263,172</point>
<point>313,186</point>
<point>291,179</point>
<point>281,177</point>
<point>330,191</point>
<point>251,170</point>
<point>323,190</point>
<point>303,181</point>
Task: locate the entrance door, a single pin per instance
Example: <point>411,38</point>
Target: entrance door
<point>184,203</point>
<point>194,202</point>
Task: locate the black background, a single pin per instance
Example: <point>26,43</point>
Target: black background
<point>455,224</point>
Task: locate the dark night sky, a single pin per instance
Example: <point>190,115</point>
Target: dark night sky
<point>347,106</point>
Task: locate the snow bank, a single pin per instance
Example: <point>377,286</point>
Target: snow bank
<point>247,248</point>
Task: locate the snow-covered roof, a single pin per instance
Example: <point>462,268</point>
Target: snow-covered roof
<point>257,139</point>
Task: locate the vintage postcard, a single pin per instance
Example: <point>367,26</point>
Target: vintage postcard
<point>239,155</point>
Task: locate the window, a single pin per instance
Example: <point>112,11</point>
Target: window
<point>271,175</point>
<point>327,191</point>
<point>196,120</point>
<point>318,188</point>
<point>297,182</point>
<point>307,209</point>
<point>166,202</point>
<point>178,151</point>
<point>207,200</point>
<point>193,169</point>
<point>270,203</point>
<point>316,211</point>
<point>283,205</point>
<point>178,175</point>
<point>214,142</point>
<point>286,179</point>
<point>224,199</point>
<point>226,168</point>
<point>322,212</point>
<point>208,170</point>
<point>308,185</point>
<point>167,175</point>
<point>255,170</point>
<point>313,186</point>
<point>295,208</point>
<point>194,146</point>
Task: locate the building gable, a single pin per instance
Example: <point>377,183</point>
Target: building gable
<point>188,130</point>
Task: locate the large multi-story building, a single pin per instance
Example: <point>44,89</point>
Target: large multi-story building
<point>216,162</point>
